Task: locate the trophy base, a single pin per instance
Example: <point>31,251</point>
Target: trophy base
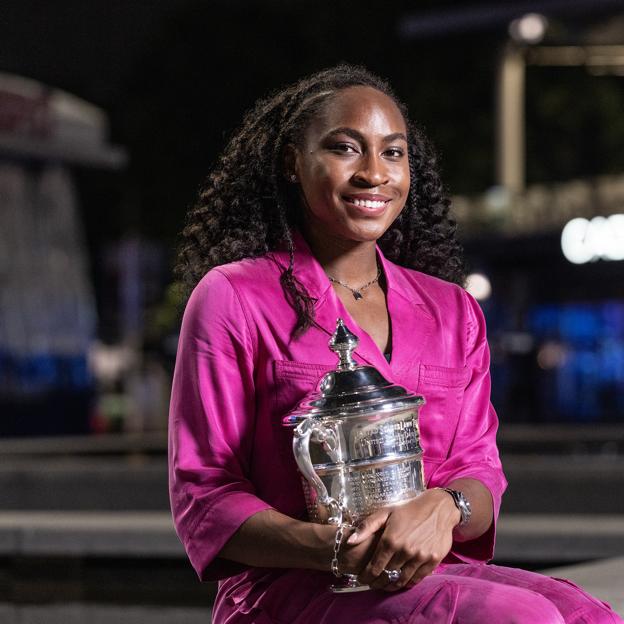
<point>349,585</point>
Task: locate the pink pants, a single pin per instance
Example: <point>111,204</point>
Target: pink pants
<point>454,594</point>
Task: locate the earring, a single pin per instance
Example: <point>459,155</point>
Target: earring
<point>293,178</point>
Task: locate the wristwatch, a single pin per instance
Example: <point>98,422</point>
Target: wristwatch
<point>461,502</point>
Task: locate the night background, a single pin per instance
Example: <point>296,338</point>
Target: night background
<point>92,198</point>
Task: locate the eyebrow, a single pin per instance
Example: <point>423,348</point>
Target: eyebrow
<point>358,136</point>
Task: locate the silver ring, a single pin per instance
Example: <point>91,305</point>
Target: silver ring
<point>393,575</point>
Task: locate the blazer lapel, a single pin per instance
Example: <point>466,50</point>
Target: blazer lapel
<point>411,324</point>
<point>329,310</point>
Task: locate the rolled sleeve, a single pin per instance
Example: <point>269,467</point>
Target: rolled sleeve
<point>473,452</point>
<point>211,426</point>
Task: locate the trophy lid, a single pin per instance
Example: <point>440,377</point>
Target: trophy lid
<point>351,389</point>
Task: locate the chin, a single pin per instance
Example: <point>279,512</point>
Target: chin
<point>363,236</point>
<point>370,232</point>
<point>358,230</point>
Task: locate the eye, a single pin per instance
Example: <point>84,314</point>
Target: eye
<point>344,148</point>
<point>395,153</point>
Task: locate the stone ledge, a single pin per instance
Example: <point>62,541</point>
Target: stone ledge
<point>88,533</point>
<point>79,613</point>
<point>602,579</point>
<point>538,538</point>
<point>521,538</point>
<point>88,445</point>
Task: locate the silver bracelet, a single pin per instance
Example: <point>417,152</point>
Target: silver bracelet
<point>337,544</point>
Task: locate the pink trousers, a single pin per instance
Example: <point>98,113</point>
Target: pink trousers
<point>454,594</point>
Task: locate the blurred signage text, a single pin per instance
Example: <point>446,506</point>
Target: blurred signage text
<point>542,207</point>
<point>584,240</point>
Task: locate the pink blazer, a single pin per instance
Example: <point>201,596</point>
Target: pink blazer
<point>238,372</point>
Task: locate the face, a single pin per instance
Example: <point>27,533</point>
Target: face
<point>353,166</point>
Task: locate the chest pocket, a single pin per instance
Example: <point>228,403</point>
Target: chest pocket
<point>443,388</point>
<point>293,380</point>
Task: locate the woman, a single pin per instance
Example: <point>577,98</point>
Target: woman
<point>327,204</point>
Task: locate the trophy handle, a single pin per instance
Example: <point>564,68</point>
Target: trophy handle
<point>313,430</point>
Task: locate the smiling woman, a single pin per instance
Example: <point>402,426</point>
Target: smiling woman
<point>252,202</point>
<point>353,167</point>
<point>327,204</point>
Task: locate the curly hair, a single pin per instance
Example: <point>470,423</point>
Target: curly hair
<point>247,207</point>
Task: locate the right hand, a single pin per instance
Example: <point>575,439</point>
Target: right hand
<point>352,559</point>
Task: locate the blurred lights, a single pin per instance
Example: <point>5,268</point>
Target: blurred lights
<point>529,28</point>
<point>478,285</point>
<point>518,343</point>
<point>551,355</point>
<point>110,362</point>
<point>498,200</point>
<point>585,241</point>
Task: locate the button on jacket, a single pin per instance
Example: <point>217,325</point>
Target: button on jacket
<point>238,372</point>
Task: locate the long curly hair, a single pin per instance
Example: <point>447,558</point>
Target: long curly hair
<point>247,207</point>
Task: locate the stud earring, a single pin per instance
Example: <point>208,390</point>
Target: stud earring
<point>293,178</point>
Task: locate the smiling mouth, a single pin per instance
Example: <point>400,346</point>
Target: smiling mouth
<point>367,203</point>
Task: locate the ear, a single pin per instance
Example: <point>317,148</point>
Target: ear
<point>290,163</point>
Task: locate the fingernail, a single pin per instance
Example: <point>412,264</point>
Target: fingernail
<point>353,538</point>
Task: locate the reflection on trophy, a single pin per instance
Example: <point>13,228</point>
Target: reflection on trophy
<point>356,443</point>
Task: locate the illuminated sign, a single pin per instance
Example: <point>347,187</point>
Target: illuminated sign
<point>601,238</point>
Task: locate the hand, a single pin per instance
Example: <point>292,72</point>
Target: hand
<point>415,537</point>
<point>352,558</point>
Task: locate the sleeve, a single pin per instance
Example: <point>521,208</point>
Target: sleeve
<point>473,451</point>
<point>211,425</point>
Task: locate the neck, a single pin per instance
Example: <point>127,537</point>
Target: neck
<point>349,261</point>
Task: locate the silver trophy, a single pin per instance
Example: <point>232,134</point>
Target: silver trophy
<point>356,443</point>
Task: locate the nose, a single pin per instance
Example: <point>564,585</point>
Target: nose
<point>371,172</point>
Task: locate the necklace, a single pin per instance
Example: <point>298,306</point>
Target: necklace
<point>357,292</point>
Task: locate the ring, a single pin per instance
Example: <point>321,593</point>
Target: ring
<point>393,575</point>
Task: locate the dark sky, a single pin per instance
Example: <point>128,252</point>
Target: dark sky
<point>92,48</point>
<point>176,76</point>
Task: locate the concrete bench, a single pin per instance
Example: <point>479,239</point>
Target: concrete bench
<point>150,535</point>
<point>521,537</point>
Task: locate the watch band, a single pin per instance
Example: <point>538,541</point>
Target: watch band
<point>461,502</point>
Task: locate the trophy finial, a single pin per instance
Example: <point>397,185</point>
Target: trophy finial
<point>343,342</point>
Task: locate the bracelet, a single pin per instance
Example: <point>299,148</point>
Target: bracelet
<point>337,544</point>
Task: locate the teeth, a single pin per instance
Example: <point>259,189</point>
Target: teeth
<point>367,203</point>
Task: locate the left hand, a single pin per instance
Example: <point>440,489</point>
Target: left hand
<point>415,537</point>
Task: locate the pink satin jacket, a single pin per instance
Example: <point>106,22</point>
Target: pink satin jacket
<point>238,372</point>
